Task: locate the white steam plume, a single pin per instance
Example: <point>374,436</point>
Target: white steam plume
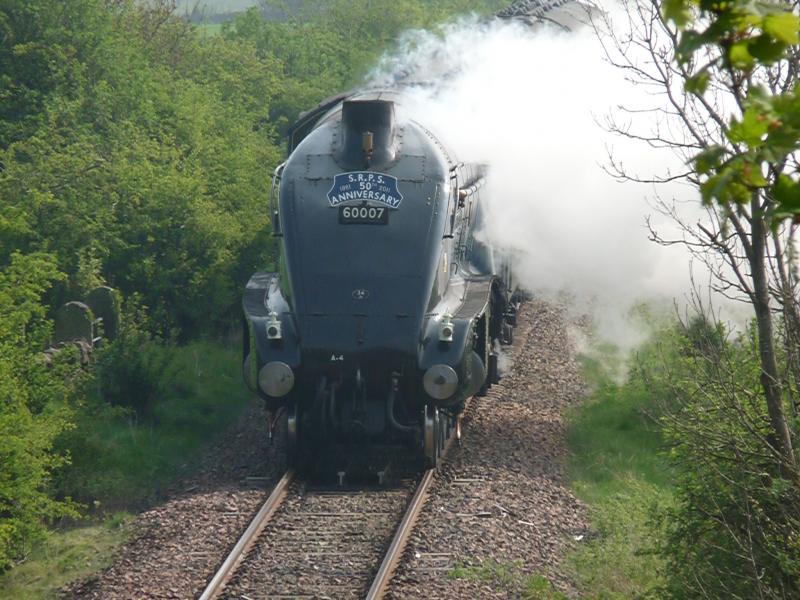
<point>528,101</point>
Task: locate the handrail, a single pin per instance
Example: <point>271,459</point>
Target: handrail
<point>274,201</point>
<point>465,192</point>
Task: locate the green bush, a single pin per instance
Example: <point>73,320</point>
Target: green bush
<point>686,491</point>
<point>130,370</point>
<point>35,407</point>
<point>734,530</point>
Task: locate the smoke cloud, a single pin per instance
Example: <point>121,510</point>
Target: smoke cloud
<point>531,102</point>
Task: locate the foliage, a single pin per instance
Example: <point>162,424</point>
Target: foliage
<point>721,125</point>
<point>146,154</point>
<point>133,152</point>
<point>742,38</point>
<point>684,487</point>
<point>734,530</point>
<point>727,72</point>
<point>35,407</point>
<point>129,370</point>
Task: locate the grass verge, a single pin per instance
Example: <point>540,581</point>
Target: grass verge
<point>64,556</point>
<point>616,469</point>
<point>120,461</point>
<point>123,462</point>
<point>509,578</point>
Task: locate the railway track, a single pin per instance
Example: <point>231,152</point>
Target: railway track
<point>322,542</point>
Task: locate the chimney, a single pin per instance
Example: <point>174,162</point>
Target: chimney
<point>368,132</point>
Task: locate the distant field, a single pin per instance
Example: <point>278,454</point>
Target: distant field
<point>210,28</point>
<point>216,6</point>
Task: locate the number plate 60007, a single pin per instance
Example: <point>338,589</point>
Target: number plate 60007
<point>363,215</point>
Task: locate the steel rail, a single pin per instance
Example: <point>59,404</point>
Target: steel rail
<point>398,545</point>
<point>390,560</point>
<point>401,536</point>
<point>249,537</point>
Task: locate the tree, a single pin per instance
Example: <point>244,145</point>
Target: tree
<point>728,75</point>
<point>754,52</point>
<point>745,165</point>
<point>142,161</point>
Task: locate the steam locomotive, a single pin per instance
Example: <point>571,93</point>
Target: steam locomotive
<point>387,309</point>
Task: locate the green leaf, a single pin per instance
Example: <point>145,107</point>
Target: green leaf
<point>739,56</point>
<point>751,129</point>
<point>760,94</point>
<point>735,192</point>
<point>690,41</point>
<point>698,83</point>
<point>783,26</point>
<point>707,189</point>
<point>751,175</point>
<point>725,187</point>
<point>677,11</point>
<point>787,195</point>
<point>709,159</point>
<point>766,49</point>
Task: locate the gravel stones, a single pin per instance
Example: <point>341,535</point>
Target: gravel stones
<point>322,544</point>
<point>500,510</point>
